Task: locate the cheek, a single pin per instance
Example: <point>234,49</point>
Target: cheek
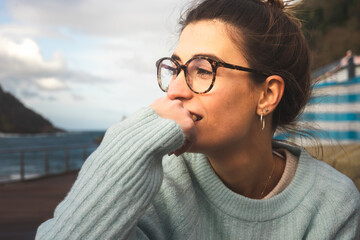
<point>234,110</point>
<point>228,121</point>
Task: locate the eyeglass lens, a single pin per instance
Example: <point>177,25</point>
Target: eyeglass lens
<point>167,71</point>
<point>199,74</point>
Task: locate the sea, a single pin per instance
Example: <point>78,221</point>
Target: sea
<point>25,157</point>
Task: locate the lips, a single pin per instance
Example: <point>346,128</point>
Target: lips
<point>195,117</point>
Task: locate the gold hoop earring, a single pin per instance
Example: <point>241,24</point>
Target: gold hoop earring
<point>262,119</point>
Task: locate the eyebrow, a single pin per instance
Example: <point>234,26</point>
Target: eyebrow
<point>176,57</point>
<point>209,55</point>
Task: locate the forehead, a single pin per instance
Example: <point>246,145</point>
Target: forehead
<point>208,37</point>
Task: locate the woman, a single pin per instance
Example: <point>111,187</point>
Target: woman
<point>200,163</point>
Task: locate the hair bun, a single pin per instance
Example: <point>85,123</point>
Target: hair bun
<point>277,3</point>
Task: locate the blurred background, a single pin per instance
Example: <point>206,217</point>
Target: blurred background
<point>70,69</point>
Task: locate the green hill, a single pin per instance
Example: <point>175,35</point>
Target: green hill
<point>331,27</point>
<point>16,118</point>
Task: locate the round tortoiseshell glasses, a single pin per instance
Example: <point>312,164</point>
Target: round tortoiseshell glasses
<point>200,72</point>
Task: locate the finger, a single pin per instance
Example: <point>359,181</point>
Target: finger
<point>187,144</point>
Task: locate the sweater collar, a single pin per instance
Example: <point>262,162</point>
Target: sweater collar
<point>248,209</point>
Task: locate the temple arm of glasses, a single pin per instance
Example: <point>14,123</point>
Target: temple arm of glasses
<point>240,68</point>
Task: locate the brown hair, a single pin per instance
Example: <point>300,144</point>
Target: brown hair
<point>271,40</point>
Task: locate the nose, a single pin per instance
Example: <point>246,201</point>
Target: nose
<point>178,88</point>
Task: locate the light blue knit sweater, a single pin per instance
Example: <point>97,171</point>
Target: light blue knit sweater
<point>127,190</point>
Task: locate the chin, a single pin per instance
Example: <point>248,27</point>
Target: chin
<point>194,149</point>
<point>197,148</point>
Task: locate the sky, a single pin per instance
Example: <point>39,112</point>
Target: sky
<point>85,64</point>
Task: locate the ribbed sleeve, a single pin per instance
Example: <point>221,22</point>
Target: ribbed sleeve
<point>117,182</point>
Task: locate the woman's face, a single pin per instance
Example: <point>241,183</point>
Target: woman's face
<point>228,111</point>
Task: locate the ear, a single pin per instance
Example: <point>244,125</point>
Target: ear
<point>271,94</point>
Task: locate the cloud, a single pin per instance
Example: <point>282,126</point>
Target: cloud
<point>131,36</point>
<point>51,84</point>
<point>128,31</point>
<point>35,95</point>
<point>106,17</point>
<point>26,56</point>
<point>68,58</point>
<point>16,31</point>
<point>24,67</point>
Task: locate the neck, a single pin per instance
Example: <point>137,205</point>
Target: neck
<point>247,171</point>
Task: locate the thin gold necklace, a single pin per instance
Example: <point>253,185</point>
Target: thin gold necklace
<point>267,182</point>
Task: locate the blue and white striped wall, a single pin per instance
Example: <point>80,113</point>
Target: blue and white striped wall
<point>334,109</point>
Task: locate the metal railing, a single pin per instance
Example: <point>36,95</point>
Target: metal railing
<point>30,163</point>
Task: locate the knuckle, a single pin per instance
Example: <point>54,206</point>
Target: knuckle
<point>188,124</point>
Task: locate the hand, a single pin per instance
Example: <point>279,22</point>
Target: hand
<point>173,109</point>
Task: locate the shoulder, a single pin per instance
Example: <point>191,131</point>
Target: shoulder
<point>333,201</point>
<point>334,185</point>
<point>324,179</point>
<point>328,201</point>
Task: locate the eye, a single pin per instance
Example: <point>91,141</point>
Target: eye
<point>202,71</point>
<point>169,68</point>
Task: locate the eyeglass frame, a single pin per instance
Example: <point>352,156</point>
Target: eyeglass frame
<point>214,64</point>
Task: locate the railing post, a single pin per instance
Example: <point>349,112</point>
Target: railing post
<point>22,158</point>
<point>84,153</point>
<point>67,160</point>
<point>46,162</point>
<point>22,166</point>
